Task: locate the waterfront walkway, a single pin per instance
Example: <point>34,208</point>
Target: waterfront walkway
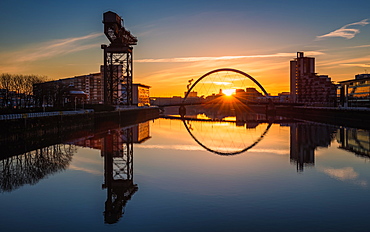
<point>43,114</point>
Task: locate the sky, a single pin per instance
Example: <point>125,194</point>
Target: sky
<point>182,40</point>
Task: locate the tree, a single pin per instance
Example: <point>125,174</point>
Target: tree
<point>17,89</point>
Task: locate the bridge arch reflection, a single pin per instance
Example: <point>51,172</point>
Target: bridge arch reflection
<point>234,145</point>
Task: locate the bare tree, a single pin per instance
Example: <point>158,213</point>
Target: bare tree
<point>17,89</point>
<point>5,85</point>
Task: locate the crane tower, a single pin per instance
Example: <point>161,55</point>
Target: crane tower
<point>117,69</point>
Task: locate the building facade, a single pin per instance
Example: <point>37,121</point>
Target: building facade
<point>85,89</point>
<point>140,95</point>
<point>355,92</point>
<point>307,87</point>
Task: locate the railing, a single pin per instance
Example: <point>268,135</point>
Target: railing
<point>43,114</point>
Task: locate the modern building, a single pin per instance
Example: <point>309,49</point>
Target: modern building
<point>249,94</point>
<point>85,89</point>
<point>284,97</point>
<point>355,92</point>
<point>161,101</point>
<point>140,95</point>
<point>307,87</point>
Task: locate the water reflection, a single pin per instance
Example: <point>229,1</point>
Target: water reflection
<point>117,149</point>
<point>32,166</point>
<point>354,140</point>
<point>232,138</point>
<point>305,138</point>
<point>197,176</point>
<point>224,138</point>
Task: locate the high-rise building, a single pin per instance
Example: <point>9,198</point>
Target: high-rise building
<point>306,86</point>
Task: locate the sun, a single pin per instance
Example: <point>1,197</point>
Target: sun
<point>228,92</point>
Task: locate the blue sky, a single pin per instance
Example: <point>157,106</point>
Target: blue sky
<point>179,40</point>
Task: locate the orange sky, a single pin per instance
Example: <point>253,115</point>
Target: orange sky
<point>183,41</point>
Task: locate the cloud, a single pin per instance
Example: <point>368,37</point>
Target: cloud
<point>357,65</point>
<point>345,31</point>
<point>358,61</point>
<point>199,148</point>
<point>361,46</point>
<point>222,58</point>
<point>57,47</point>
<point>23,58</point>
<point>347,173</point>
<point>87,170</point>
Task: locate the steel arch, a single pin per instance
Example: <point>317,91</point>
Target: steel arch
<point>228,153</point>
<point>226,69</point>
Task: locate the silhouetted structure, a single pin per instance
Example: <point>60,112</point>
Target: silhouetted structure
<point>306,86</point>
<point>117,61</point>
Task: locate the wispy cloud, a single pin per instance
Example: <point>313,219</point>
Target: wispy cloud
<point>360,46</point>
<point>357,65</point>
<point>222,58</point>
<point>57,47</point>
<point>199,148</point>
<point>87,170</point>
<point>24,57</point>
<point>347,31</point>
<point>358,61</point>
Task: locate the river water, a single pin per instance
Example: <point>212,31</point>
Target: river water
<point>170,175</point>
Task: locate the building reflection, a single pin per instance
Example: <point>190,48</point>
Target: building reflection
<point>354,140</point>
<point>32,166</point>
<point>305,138</point>
<point>116,147</point>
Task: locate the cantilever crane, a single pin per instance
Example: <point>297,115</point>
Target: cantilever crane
<point>117,61</point>
<point>115,31</point>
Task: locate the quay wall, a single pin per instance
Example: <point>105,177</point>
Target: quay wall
<point>348,117</point>
<point>24,134</point>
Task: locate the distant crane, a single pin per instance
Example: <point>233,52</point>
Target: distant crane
<point>117,61</point>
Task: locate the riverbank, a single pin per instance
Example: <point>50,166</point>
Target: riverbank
<point>15,133</point>
<point>348,117</point>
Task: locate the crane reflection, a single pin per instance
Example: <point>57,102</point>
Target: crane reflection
<point>117,148</point>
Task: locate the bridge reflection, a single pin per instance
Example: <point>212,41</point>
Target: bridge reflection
<point>117,149</point>
<point>230,137</point>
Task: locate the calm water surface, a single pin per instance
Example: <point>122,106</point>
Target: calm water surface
<point>193,176</point>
